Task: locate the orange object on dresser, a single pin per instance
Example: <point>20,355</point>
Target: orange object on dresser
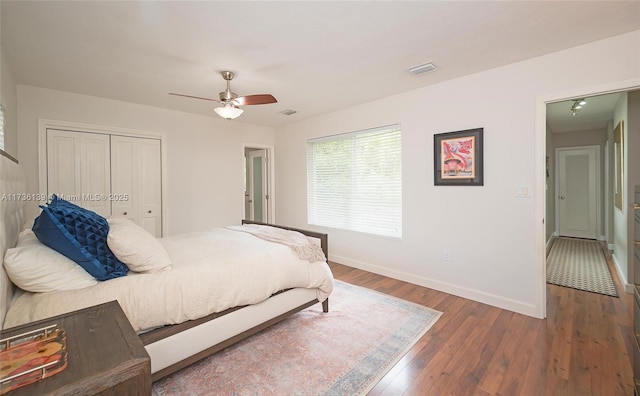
<point>32,356</point>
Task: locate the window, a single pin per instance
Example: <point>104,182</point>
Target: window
<point>354,181</point>
<point>1,127</point>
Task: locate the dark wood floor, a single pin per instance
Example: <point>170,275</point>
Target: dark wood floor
<point>582,348</point>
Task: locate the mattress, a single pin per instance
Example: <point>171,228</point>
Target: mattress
<point>211,271</point>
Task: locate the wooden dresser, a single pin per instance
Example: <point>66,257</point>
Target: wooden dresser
<point>636,290</point>
<point>105,356</point>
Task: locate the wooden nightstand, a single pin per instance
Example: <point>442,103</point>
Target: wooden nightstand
<point>105,356</point>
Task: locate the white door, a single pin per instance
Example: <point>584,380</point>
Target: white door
<point>149,186</point>
<point>63,165</point>
<point>577,192</point>
<point>258,186</point>
<point>124,178</point>
<point>136,181</point>
<point>78,169</point>
<point>96,173</point>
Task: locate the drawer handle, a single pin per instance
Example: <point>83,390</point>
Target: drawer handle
<point>149,212</point>
<point>125,213</point>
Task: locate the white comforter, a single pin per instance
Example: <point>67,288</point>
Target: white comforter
<point>211,271</point>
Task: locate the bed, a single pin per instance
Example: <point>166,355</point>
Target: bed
<point>177,325</point>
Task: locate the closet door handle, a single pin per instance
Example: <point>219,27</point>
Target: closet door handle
<point>149,212</point>
<point>125,213</point>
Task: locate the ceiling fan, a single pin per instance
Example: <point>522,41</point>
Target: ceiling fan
<point>231,101</point>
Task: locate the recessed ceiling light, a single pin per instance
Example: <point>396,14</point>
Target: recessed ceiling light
<point>423,68</point>
<point>288,112</point>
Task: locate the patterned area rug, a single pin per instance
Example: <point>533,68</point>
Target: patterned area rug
<point>579,264</point>
<point>343,352</point>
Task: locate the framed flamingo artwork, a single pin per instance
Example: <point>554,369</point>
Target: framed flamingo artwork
<point>458,158</point>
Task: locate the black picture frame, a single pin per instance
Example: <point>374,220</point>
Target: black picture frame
<point>458,158</point>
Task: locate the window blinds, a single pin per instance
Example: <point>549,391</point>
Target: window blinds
<point>354,181</point>
<point>2,124</point>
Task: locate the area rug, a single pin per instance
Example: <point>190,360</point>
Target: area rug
<point>343,352</point>
<point>579,264</point>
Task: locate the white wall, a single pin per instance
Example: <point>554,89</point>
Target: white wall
<point>489,232</point>
<point>8,99</point>
<point>633,154</point>
<point>204,154</point>
<point>609,178</point>
<point>550,186</point>
<point>620,215</point>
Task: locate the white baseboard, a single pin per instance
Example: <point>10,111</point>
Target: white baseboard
<point>551,238</point>
<point>628,288</point>
<point>471,294</point>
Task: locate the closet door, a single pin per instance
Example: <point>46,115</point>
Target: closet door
<point>124,178</point>
<point>136,175</point>
<point>149,185</point>
<point>95,173</point>
<point>78,169</point>
<point>63,164</point>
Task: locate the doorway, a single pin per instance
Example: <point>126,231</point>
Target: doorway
<point>543,197</point>
<point>258,181</point>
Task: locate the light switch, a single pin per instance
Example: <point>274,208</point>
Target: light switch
<point>522,191</point>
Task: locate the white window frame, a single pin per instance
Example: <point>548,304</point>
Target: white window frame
<point>2,126</point>
<point>354,181</point>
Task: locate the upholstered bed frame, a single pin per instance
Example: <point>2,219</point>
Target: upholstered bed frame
<point>170,347</point>
<point>12,181</point>
<point>174,347</point>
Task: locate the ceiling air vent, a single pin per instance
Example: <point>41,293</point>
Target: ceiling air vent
<point>288,112</point>
<point>423,68</point>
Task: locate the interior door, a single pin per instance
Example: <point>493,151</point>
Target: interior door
<point>258,186</point>
<point>78,169</point>
<point>136,179</point>
<point>63,165</point>
<point>124,178</point>
<point>577,192</point>
<point>149,185</point>
<point>96,172</point>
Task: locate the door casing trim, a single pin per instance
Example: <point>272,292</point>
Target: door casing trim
<point>271,176</point>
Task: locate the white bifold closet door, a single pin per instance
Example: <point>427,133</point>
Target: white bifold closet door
<point>111,175</point>
<point>78,169</point>
<point>136,181</point>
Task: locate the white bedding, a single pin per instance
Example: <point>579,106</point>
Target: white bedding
<point>211,271</point>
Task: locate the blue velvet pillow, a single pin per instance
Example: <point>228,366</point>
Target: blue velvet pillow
<point>80,235</point>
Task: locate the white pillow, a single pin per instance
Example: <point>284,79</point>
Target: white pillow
<point>35,267</point>
<point>136,247</point>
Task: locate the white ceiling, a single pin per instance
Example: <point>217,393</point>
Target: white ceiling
<point>314,57</point>
<point>594,115</point>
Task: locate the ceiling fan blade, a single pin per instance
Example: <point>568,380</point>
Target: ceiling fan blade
<point>194,97</point>
<point>255,100</point>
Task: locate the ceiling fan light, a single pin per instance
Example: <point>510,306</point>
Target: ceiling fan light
<point>582,102</point>
<point>229,112</point>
